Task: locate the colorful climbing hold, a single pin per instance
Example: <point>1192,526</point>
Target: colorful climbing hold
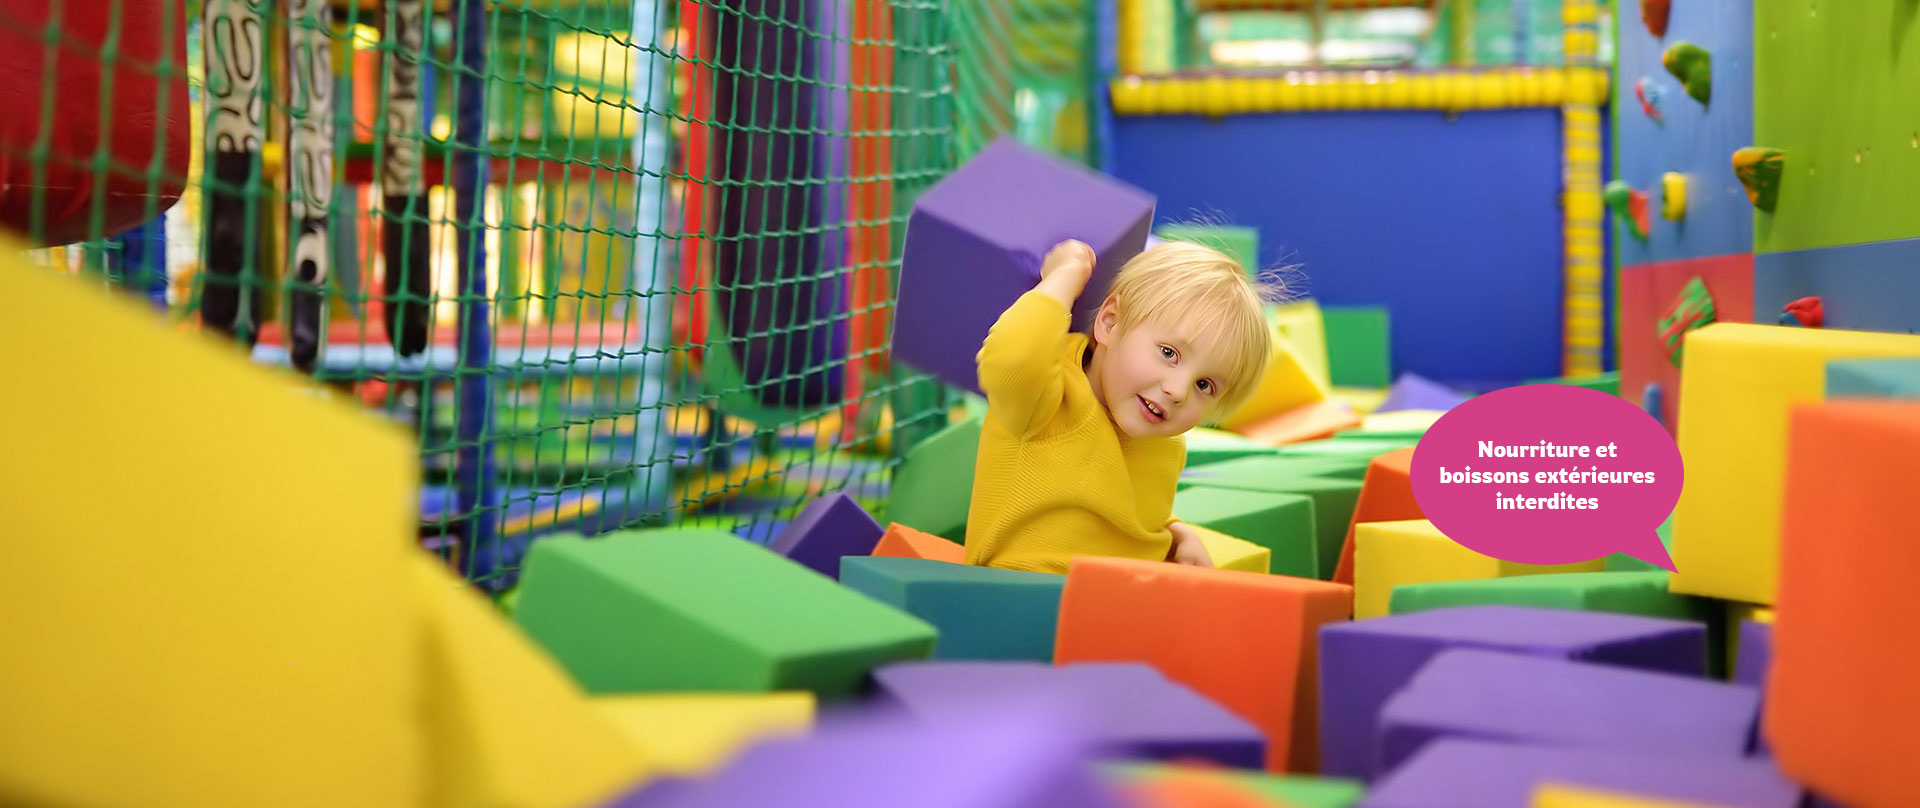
<point>1649,96</point>
<point>1629,204</point>
<point>1692,309</point>
<point>1654,13</point>
<point>1693,66</point>
<point>1673,195</point>
<point>1759,170</point>
<point>1804,312</point>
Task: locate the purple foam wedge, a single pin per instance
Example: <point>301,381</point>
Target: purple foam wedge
<point>1458,773</point>
<point>1019,755</point>
<point>1414,392</point>
<point>1134,711</point>
<point>1750,666</point>
<point>975,240</point>
<point>1362,663</point>
<point>1496,695</point>
<point>827,529</point>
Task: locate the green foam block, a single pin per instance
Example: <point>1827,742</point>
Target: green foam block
<point>1242,244</point>
<point>1290,791</point>
<point>1608,382</point>
<point>666,610</point>
<point>934,484</point>
<point>1208,446</point>
<point>1621,562</point>
<point>1359,346</point>
<point>1333,503</point>
<point>980,612</point>
<point>1282,523</point>
<point>1364,449</point>
<point>1270,466</point>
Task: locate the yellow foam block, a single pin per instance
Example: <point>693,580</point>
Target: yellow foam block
<point>1362,400</point>
<point>1737,383</point>
<point>692,734</point>
<point>1303,326</point>
<point>1413,551</point>
<point>222,620</point>
<point>506,727</point>
<point>1287,384</point>
<point>1400,420</point>
<point>1554,795</point>
<point>1234,553</point>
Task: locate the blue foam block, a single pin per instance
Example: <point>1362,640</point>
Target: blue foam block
<point>1873,378</point>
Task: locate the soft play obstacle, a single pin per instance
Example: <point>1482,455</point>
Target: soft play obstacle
<point>1282,523</point>
<point>1641,593</point>
<point>1006,756</point>
<point>95,167</point>
<point>975,241</point>
<point>1630,204</point>
<point>1304,327</point>
<point>1333,501</point>
<point>1754,654</point>
<point>1247,641</point>
<point>1758,170</point>
<point>1355,448</point>
<point>980,612</point>
<point>1358,346</point>
<point>933,488</point>
<point>1738,385</point>
<point>211,649</point>
<point>1458,773</point>
<point>1362,663</point>
<point>1206,446</point>
<point>828,528</point>
<point>1392,554</point>
<point>694,734</point>
<point>1290,381</point>
<point>1131,710</point>
<point>1840,714</point>
<point>1414,392</point>
<point>1410,424</point>
<point>1693,66</point>
<point>1873,378</point>
<point>1275,790</point>
<point>1501,696</point>
<point>489,690</point>
<point>901,541</point>
<point>1673,196</point>
<point>1249,471</point>
<point>1319,419</point>
<point>1234,553</point>
<point>1386,495</point>
<point>662,610</point>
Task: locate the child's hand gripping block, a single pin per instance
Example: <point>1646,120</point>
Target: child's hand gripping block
<point>1132,710</point>
<point>1457,773</point>
<point>1234,553</point>
<point>1737,387</point>
<point>827,529</point>
<point>1247,641</point>
<point>901,541</point>
<point>974,244</point>
<point>659,610</point>
<point>1391,554</point>
<point>1333,501</point>
<point>1280,523</point>
<point>1840,714</point>
<point>980,612</point>
<point>1364,662</point>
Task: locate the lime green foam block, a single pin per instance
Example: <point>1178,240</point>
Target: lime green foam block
<point>1291,791</point>
<point>1358,346</point>
<point>980,612</point>
<point>1205,446</point>
<point>1333,502</point>
<point>1282,523</point>
<point>680,610</point>
<point>1364,449</point>
<point>1621,562</point>
<point>1242,244</point>
<point>1270,466</point>
<point>934,484</point>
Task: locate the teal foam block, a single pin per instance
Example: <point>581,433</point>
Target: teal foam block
<point>981,613</point>
<point>1282,523</point>
<point>1359,340</point>
<point>1873,378</point>
<point>1333,503</point>
<point>934,484</point>
<point>693,610</point>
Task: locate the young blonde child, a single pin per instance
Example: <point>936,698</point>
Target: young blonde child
<point>1084,442</point>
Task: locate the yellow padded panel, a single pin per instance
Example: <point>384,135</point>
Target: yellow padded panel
<point>1737,383</point>
<point>1413,551</point>
<point>1233,552</point>
<point>693,734</point>
<point>1554,795</point>
<point>1303,326</point>
<point>1286,385</point>
<point>506,727</point>
<point>1400,420</point>
<point>211,602</point>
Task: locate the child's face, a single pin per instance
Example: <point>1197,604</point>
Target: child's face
<point>1157,379</point>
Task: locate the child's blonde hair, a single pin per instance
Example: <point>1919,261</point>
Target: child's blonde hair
<point>1176,280</point>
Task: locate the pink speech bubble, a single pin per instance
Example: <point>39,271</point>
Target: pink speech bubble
<point>1537,430</point>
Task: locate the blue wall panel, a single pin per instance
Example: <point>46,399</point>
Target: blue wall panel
<point>1695,140</point>
<point>1862,287</point>
<point>1453,225</point>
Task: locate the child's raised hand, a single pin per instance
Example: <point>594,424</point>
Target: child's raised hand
<point>1187,547</point>
<point>1071,257</point>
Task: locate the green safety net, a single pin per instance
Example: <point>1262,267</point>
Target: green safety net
<point>614,263</point>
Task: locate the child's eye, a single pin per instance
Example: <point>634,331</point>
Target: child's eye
<point>1206,386</point>
<point>1166,352</point>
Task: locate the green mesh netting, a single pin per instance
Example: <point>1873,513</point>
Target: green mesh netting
<point>615,263</point>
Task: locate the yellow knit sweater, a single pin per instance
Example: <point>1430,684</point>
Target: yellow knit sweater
<point>1055,478</point>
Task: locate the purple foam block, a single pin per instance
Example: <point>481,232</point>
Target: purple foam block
<point>828,528</point>
<point>1412,392</point>
<point>1362,663</point>
<point>1018,755</point>
<point>1134,710</point>
<point>1750,668</point>
<point>1459,773</point>
<point>1502,696</point>
<point>975,240</point>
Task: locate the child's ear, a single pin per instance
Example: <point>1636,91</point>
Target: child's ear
<point>1105,321</point>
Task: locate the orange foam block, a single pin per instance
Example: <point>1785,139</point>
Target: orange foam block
<point>1248,641</point>
<point>901,541</point>
<point>1386,495</point>
<point>1841,712</point>
<point>1313,421</point>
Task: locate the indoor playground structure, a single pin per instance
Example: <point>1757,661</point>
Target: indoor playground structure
<point>573,403</point>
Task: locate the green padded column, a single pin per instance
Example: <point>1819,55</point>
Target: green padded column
<point>933,486</point>
<point>1359,346</point>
